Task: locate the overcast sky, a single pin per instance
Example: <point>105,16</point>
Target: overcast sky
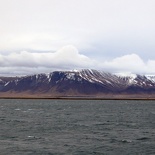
<point>46,35</point>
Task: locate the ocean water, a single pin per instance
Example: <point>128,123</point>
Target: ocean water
<point>77,127</point>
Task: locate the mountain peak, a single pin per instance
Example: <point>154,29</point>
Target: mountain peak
<point>79,82</point>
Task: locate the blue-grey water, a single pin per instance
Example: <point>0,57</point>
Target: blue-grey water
<point>73,127</point>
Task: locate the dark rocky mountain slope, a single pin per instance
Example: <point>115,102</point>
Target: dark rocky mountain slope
<point>78,83</point>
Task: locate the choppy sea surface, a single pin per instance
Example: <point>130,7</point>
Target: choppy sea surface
<point>73,127</point>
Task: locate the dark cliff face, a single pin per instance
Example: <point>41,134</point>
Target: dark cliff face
<point>86,82</point>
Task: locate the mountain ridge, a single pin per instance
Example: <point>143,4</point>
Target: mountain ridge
<point>85,82</point>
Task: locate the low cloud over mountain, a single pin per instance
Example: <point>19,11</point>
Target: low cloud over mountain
<point>68,58</point>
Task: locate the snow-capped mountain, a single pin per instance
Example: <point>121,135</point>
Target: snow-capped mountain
<point>78,83</point>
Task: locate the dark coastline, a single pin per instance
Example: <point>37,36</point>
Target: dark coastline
<point>76,98</point>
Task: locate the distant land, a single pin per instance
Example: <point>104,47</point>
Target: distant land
<point>79,84</point>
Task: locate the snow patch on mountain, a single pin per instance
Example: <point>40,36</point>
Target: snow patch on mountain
<point>86,80</point>
<point>70,76</point>
<point>150,77</point>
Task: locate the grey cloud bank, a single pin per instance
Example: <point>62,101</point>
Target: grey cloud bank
<point>68,58</point>
<point>109,35</point>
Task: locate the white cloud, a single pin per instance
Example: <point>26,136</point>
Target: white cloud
<point>102,29</point>
<point>116,26</point>
<point>68,58</point>
<point>151,66</point>
<point>127,63</point>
